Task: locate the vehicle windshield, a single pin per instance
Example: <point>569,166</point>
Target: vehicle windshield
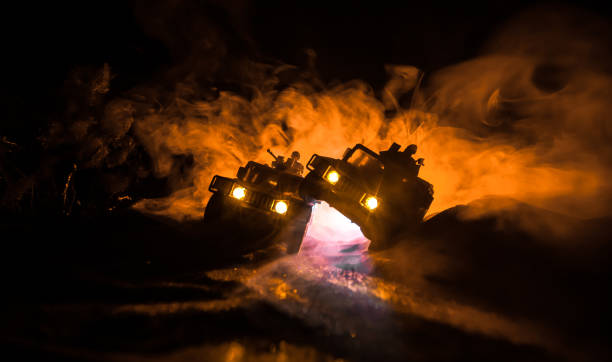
<point>271,179</point>
<point>256,174</point>
<point>364,160</point>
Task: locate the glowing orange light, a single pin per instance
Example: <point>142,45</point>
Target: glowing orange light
<point>332,177</point>
<point>239,192</point>
<point>281,207</point>
<point>371,203</point>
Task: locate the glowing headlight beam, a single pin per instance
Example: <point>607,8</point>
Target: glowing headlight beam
<point>281,207</point>
<point>370,203</point>
<point>332,177</point>
<point>239,192</point>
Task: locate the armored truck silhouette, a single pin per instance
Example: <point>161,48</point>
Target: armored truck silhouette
<point>263,202</point>
<point>381,193</point>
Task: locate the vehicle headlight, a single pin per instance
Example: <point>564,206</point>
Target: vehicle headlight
<point>332,176</point>
<point>238,192</point>
<point>369,202</point>
<point>280,207</point>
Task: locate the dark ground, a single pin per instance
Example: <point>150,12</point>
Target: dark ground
<point>128,287</point>
<point>123,286</point>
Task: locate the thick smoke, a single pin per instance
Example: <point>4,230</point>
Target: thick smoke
<point>529,119</point>
<point>536,109</point>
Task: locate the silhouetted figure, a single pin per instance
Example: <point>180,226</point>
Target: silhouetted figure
<point>413,164</point>
<point>391,156</point>
<point>279,163</point>
<point>293,166</point>
<point>410,150</point>
<point>401,164</point>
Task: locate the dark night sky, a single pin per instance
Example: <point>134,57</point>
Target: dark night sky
<point>42,43</point>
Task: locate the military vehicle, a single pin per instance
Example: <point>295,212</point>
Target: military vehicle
<point>381,193</point>
<point>262,203</point>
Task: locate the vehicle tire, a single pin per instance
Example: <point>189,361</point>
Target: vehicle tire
<point>294,239</point>
<point>294,232</point>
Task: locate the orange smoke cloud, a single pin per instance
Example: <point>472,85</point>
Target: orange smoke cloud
<point>528,120</point>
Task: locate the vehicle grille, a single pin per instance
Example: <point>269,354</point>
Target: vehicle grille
<point>349,188</point>
<point>259,200</point>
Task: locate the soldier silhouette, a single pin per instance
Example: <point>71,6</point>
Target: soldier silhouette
<point>401,163</point>
<point>413,164</point>
<point>279,163</point>
<point>292,165</point>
